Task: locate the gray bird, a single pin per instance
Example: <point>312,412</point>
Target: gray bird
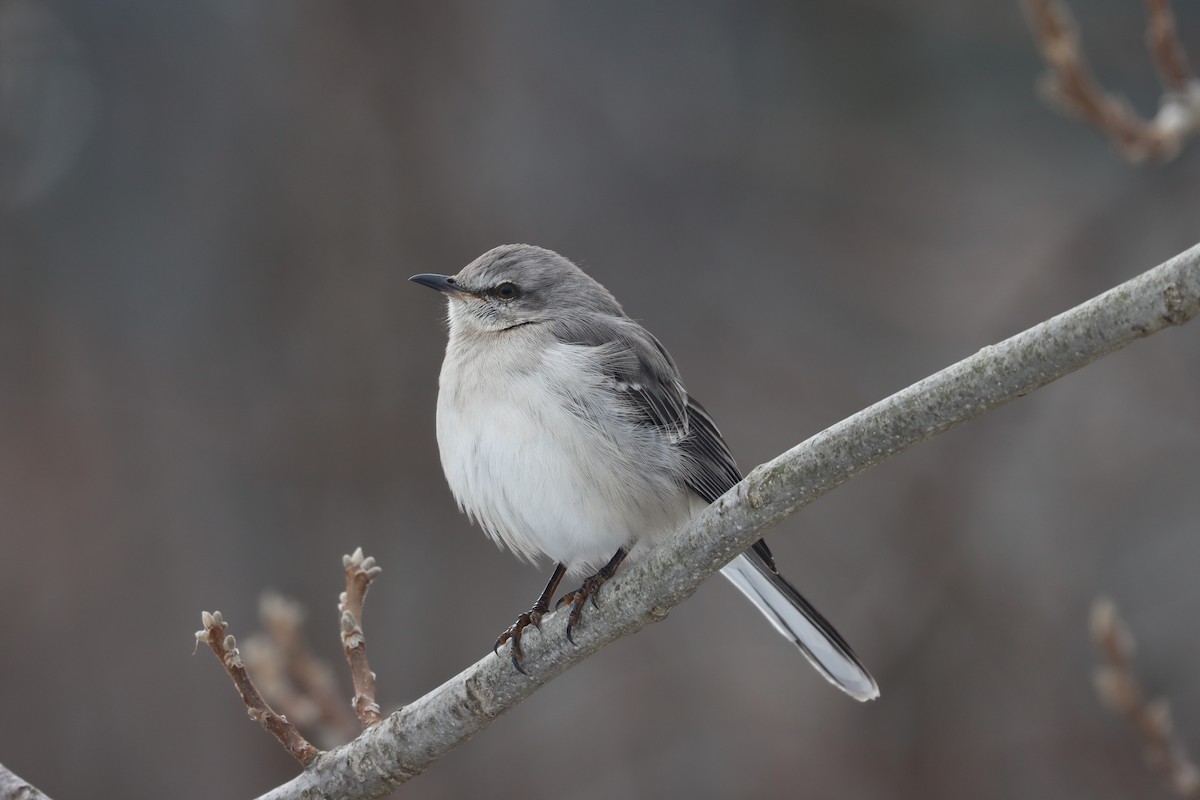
<point>566,432</point>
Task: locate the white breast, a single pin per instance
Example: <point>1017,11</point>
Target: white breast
<point>536,449</point>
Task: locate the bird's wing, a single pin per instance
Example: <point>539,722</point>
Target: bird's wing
<point>639,370</point>
<point>644,375</point>
<point>714,472</point>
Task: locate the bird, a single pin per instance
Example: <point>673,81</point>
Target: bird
<point>565,432</point>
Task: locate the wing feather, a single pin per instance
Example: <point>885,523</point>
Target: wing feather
<point>645,377</point>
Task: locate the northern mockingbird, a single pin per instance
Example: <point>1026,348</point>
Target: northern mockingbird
<point>565,432</point>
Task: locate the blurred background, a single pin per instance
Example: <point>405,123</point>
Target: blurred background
<point>215,379</point>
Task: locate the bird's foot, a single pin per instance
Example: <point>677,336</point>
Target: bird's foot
<point>514,632</point>
<point>577,599</point>
<point>590,587</point>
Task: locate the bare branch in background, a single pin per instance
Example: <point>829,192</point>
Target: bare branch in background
<point>12,787</point>
<point>360,571</point>
<point>1070,85</point>
<point>1165,47</point>
<point>224,646</point>
<point>284,657</point>
<point>407,742</point>
<point>292,678</point>
<point>1120,690</point>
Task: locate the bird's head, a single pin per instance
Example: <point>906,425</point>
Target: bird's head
<point>518,284</point>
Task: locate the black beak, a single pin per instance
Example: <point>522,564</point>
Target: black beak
<point>443,283</point>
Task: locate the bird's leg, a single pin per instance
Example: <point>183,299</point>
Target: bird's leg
<point>531,617</point>
<point>590,586</point>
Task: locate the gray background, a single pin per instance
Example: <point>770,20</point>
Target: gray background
<point>214,378</point>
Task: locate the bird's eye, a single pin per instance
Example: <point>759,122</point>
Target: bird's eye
<point>506,291</point>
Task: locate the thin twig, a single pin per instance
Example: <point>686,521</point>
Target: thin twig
<point>416,736</point>
<point>1070,85</point>
<point>224,646</point>
<point>1120,690</point>
<point>360,571</point>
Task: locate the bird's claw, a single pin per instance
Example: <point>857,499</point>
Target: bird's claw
<point>514,632</point>
<point>589,589</point>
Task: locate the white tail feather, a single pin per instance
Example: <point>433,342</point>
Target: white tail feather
<point>801,624</point>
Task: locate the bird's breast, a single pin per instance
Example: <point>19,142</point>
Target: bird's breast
<point>538,451</point>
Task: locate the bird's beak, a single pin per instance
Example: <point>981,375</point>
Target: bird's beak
<point>443,283</point>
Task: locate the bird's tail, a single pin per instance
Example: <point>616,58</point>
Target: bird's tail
<point>795,618</point>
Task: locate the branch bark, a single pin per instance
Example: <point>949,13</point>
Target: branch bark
<point>13,787</point>
<point>414,737</point>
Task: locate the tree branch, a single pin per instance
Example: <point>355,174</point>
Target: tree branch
<point>414,737</point>
<point>12,787</point>
<point>224,647</point>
